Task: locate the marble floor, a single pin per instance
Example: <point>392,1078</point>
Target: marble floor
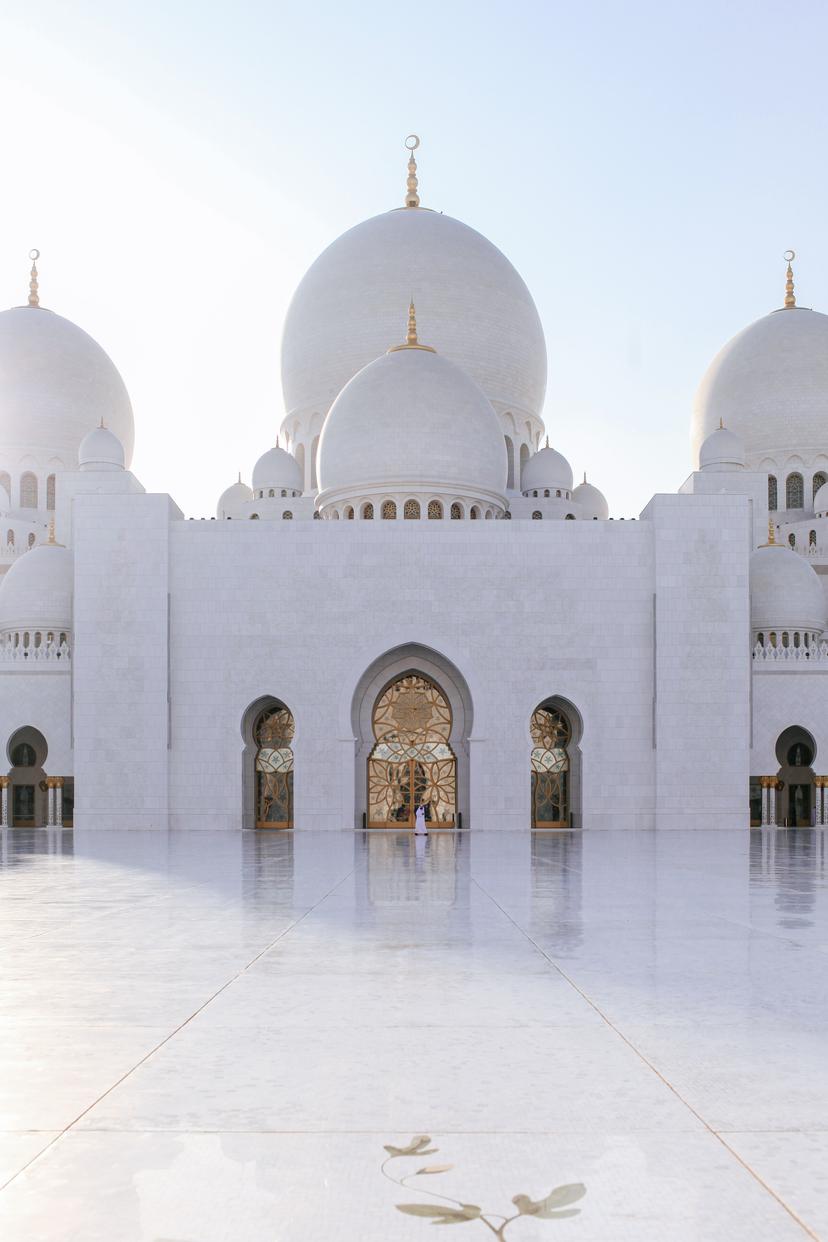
<point>210,1037</point>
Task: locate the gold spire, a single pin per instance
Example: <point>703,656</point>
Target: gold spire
<point>547,441</point>
<point>772,535</point>
<point>790,299</point>
<point>411,341</point>
<point>412,198</point>
<point>34,296</point>
<point>51,542</point>
<point>721,423</point>
<point>585,476</point>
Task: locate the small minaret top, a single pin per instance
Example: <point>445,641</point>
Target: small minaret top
<point>411,341</point>
<point>412,197</point>
<point>790,299</point>
<point>34,295</point>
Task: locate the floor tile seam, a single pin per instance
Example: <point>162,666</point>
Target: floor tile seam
<point>646,1061</point>
<point>66,1129</point>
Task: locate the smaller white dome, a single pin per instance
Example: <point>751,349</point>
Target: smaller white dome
<point>100,449</point>
<point>546,469</point>
<point>277,469</point>
<point>232,497</point>
<point>722,450</point>
<point>36,593</point>
<point>785,592</point>
<point>820,501</point>
<point>592,501</point>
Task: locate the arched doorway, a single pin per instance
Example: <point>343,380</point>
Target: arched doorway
<point>555,765</point>
<point>411,763</point>
<point>268,729</point>
<point>27,751</point>
<point>795,752</point>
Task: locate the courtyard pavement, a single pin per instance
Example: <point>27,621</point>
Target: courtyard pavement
<point>216,1036</point>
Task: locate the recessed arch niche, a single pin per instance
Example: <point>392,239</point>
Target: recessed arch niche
<point>267,764</point>
<point>26,752</point>
<point>556,729</point>
<point>412,660</point>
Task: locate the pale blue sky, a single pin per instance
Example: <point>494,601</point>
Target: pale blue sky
<point>644,166</point>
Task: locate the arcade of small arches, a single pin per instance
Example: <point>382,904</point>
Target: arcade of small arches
<point>29,489</point>
<point>29,797</point>
<point>794,488</point>
<point>411,509</point>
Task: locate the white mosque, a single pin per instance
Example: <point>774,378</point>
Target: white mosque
<point>412,604</point>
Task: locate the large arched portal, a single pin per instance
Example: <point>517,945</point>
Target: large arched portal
<point>555,765</point>
<point>412,717</point>
<point>268,729</point>
<point>796,752</point>
<point>411,763</point>
<point>27,751</point>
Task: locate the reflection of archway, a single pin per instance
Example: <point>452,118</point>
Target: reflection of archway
<point>411,763</point>
<point>268,730</point>
<point>27,752</point>
<point>555,765</point>
<point>795,752</point>
<point>415,660</point>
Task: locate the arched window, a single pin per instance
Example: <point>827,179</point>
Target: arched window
<point>411,509</point>
<point>368,511</point>
<point>811,538</point>
<point>524,457</point>
<point>551,736</point>
<point>389,509</point>
<point>10,538</point>
<point>772,492</point>
<point>349,512</point>
<point>819,478</point>
<point>284,491</point>
<point>271,492</point>
<point>570,517</point>
<point>254,517</point>
<point>456,511</point>
<point>5,481</point>
<point>537,515</point>
<point>488,514</point>
<point>287,516</point>
<point>28,491</point>
<point>510,462</point>
<point>317,515</point>
<point>50,492</point>
<point>475,513</point>
<point>31,540</point>
<point>273,735</point>
<point>412,763</point>
<point>435,509</point>
<point>23,756</point>
<point>792,539</point>
<point>334,515</point>
<point>794,491</point>
<point>546,492</point>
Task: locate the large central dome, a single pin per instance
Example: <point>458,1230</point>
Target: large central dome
<point>347,308</point>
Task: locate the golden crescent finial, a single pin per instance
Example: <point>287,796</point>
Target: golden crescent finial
<point>412,197</point>
<point>34,295</point>
<point>411,341</point>
<point>790,299</point>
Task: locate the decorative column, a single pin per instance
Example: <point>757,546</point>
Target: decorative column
<point>819,801</point>
<point>58,801</point>
<point>5,782</point>
<point>50,802</point>
<point>764,782</point>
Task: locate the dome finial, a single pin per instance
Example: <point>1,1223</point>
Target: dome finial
<point>790,299</point>
<point>411,341</point>
<point>547,441</point>
<point>721,423</point>
<point>771,534</point>
<point>51,542</point>
<point>412,198</point>
<point>34,296</point>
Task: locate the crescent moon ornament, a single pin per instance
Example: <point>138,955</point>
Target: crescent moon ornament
<point>34,255</point>
<point>789,256</point>
<point>412,142</point>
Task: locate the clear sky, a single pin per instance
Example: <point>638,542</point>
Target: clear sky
<point>643,165</point>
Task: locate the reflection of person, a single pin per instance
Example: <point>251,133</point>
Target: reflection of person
<point>420,822</point>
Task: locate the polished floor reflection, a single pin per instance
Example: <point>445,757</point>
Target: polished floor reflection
<point>209,1036</point>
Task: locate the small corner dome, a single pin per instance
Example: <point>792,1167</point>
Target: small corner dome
<point>785,591</point>
<point>722,450</point>
<point>412,421</point>
<point>56,384</point>
<point>592,501</point>
<point>100,449</point>
<point>36,593</point>
<point>277,469</point>
<point>232,497</point>
<point>820,501</point>
<point>546,469</point>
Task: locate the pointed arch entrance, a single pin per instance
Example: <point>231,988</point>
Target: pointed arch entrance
<point>555,765</point>
<point>268,729</point>
<point>411,763</point>
<point>411,706</point>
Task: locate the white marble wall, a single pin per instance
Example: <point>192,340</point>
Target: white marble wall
<point>524,610</point>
